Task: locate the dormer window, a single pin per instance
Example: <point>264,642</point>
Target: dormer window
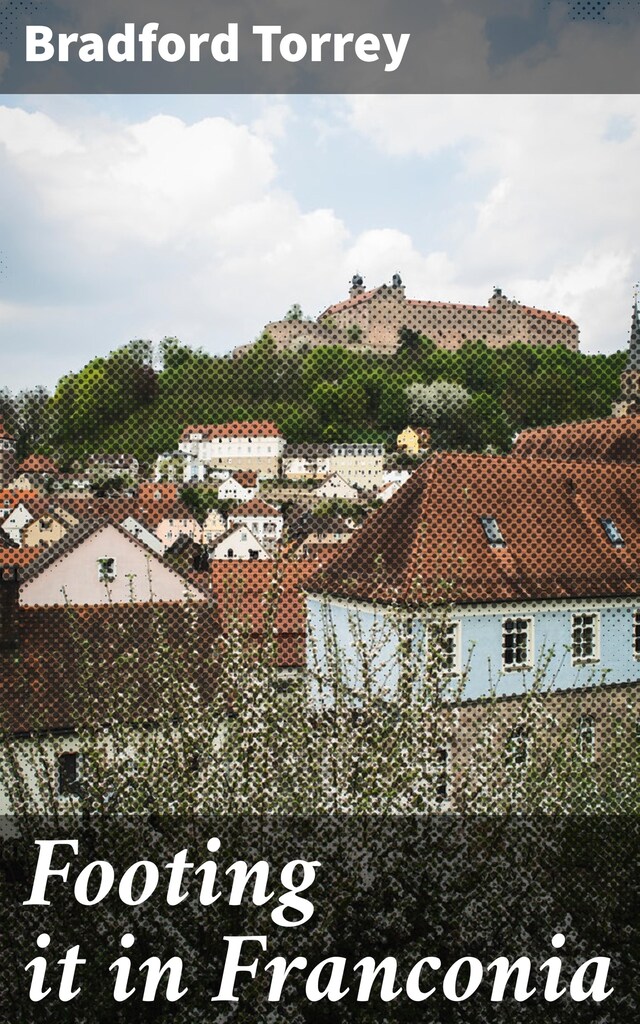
<point>492,531</point>
<point>612,532</point>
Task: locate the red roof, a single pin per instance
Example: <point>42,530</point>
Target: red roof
<point>248,428</point>
<point>616,439</point>
<point>254,508</point>
<point>265,599</point>
<point>37,464</point>
<point>246,478</point>
<point>428,544</point>
<point>4,435</point>
<point>364,296</point>
<point>60,675</point>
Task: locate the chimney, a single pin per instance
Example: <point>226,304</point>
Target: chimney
<point>8,609</point>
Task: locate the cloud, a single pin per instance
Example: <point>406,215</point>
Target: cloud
<point>164,227</point>
<point>555,221</point>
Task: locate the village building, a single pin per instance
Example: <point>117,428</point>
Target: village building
<point>239,544</point>
<point>504,567</point>
<point>264,521</point>
<point>99,563</point>
<point>101,466</point>
<point>388,490</point>
<point>16,519</point>
<point>335,486</point>
<point>377,319</point>
<point>170,529</point>
<point>239,486</point>
<point>45,529</point>
<point>37,472</point>
<point>255,446</point>
<point>361,465</point>
<point>214,526</point>
<point>414,440</point>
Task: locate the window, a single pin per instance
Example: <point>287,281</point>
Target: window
<point>69,774</point>
<point>516,643</point>
<point>586,737</point>
<point>517,751</point>
<point>612,532</point>
<point>492,531</point>
<point>106,569</point>
<point>443,646</point>
<point>636,634</point>
<point>584,638</point>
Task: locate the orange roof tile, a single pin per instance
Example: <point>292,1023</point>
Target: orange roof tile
<point>248,428</point>
<point>427,544</point>
<point>616,439</point>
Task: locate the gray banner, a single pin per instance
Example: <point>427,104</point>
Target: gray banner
<point>281,46</point>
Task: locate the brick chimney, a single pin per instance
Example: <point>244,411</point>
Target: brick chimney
<point>8,609</point>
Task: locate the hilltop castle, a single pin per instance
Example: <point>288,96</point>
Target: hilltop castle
<point>374,319</point>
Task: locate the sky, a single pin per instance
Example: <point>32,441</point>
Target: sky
<point>205,217</point>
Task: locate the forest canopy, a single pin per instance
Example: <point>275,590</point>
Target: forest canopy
<point>138,398</point>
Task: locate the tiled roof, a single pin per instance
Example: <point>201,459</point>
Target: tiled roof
<point>61,674</point>
<point>245,477</point>
<point>75,537</point>
<point>249,428</point>
<point>544,314</point>
<point>4,434</point>
<point>265,599</point>
<point>256,507</point>
<point>427,544</point>
<point>37,464</point>
<point>616,439</point>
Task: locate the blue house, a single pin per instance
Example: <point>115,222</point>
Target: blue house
<point>489,574</point>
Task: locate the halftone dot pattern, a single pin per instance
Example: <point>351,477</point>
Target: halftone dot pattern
<point>398,498</point>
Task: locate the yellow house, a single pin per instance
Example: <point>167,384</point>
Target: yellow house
<point>45,530</point>
<point>414,440</point>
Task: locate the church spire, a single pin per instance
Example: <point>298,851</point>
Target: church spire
<point>629,400</point>
<point>633,359</point>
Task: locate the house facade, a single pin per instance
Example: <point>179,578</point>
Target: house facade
<point>414,440</point>
<point>263,520</point>
<point>499,570</point>
<point>256,446</point>
<point>361,465</point>
<point>99,564</point>
<point>239,486</point>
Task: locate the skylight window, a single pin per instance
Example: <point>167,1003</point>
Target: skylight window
<point>612,532</point>
<point>492,531</point>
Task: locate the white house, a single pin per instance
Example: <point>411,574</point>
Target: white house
<point>239,544</point>
<point>505,567</point>
<point>263,520</point>
<point>102,564</point>
<point>336,486</point>
<point>251,445</point>
<point>388,490</point>
<point>14,523</point>
<point>239,486</point>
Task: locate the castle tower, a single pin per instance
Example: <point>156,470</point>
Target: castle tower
<point>7,456</point>
<point>629,400</point>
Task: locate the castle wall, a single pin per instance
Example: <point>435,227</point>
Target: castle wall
<point>379,315</point>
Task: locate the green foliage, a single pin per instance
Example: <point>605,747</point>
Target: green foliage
<point>124,403</point>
